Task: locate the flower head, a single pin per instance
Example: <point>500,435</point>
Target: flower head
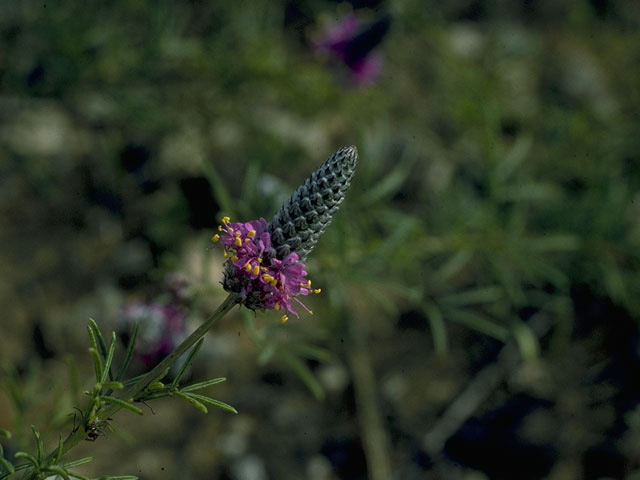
<point>254,273</point>
<point>264,261</point>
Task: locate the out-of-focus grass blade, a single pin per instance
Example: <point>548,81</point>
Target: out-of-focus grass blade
<point>526,340</point>
<point>305,374</point>
<point>437,326</point>
<point>479,323</point>
<point>473,296</point>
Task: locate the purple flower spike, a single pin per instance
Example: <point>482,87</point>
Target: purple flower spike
<point>264,261</point>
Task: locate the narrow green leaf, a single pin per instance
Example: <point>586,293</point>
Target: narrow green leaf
<point>220,190</point>
<point>5,433</point>
<point>55,469</point>
<point>28,457</point>
<point>189,398</point>
<point>201,385</point>
<point>213,401</point>
<point>187,362</point>
<point>133,380</point>
<point>96,330</point>
<point>130,347</point>
<point>473,296</point>
<point>97,362</point>
<point>526,340</point>
<point>113,385</point>
<point>479,323</point>
<point>58,454</point>
<point>455,264</point>
<point>6,464</point>
<point>305,374</point>
<point>109,359</point>
<point>389,183</point>
<point>438,327</point>
<point>121,403</point>
<point>39,443</point>
<point>75,463</point>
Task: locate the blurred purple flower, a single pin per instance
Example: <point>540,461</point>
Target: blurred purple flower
<point>161,329</point>
<point>352,45</point>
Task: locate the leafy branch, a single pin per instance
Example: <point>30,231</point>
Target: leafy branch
<point>103,404</point>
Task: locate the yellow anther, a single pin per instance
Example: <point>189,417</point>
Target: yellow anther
<point>225,253</point>
<point>234,258</point>
<point>215,238</point>
<point>219,228</point>
<point>247,239</point>
<point>238,242</point>
<point>317,290</point>
<point>283,319</point>
<point>259,259</point>
<point>310,312</point>
<point>225,219</point>
<point>247,267</point>
<point>256,270</point>
<point>268,278</point>
<point>276,307</point>
<point>273,282</point>
<point>251,234</point>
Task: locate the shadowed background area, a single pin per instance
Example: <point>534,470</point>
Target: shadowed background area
<point>480,306</point>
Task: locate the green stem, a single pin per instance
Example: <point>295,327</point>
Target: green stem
<point>154,374</point>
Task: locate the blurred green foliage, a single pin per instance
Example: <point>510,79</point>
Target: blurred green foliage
<point>498,155</point>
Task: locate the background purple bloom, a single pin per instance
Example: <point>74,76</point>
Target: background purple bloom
<point>353,44</point>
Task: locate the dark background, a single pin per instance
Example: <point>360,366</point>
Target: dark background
<point>481,294</point>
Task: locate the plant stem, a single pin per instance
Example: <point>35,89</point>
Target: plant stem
<point>155,373</point>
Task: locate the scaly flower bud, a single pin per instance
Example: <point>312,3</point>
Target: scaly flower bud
<point>302,219</point>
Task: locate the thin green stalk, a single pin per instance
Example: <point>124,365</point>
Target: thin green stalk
<point>156,373</point>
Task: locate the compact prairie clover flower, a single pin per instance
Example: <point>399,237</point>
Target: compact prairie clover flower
<point>264,266</point>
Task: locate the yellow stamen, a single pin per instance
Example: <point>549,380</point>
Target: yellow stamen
<point>276,307</point>
<point>225,253</point>
<point>268,278</point>
<point>283,319</point>
<point>234,258</point>
<point>215,238</point>
<point>225,219</point>
<point>273,283</point>
<point>247,267</point>
<point>259,259</point>
<point>310,312</point>
<point>219,228</point>
<point>251,234</point>
<point>247,239</point>
<point>256,270</point>
<point>238,242</point>
<point>317,290</point>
